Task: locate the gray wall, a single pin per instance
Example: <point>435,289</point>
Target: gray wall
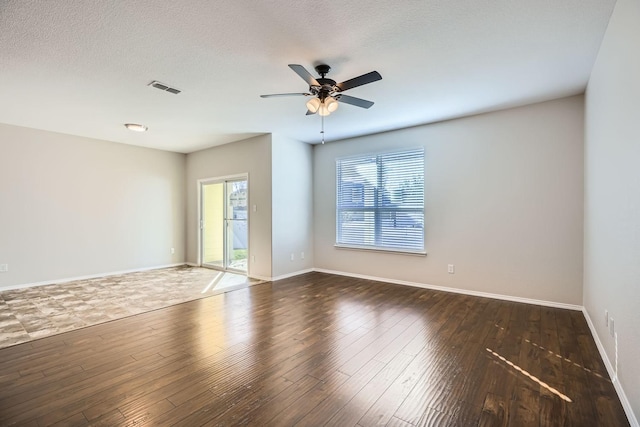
<point>252,156</point>
<point>292,186</point>
<point>504,203</point>
<point>612,194</point>
<point>73,206</point>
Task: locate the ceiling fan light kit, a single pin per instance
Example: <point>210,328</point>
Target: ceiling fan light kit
<point>323,107</point>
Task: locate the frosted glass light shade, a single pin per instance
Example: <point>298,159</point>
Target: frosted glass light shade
<point>313,105</point>
<point>331,103</point>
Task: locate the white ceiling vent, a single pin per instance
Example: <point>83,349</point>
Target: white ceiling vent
<point>164,87</point>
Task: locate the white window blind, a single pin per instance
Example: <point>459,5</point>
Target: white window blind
<point>380,201</point>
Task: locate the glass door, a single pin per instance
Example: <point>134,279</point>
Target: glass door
<point>236,222</point>
<point>224,224</point>
<point>212,225</point>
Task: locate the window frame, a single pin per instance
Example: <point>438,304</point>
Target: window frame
<point>376,210</point>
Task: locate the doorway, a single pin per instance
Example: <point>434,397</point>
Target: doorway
<point>224,222</point>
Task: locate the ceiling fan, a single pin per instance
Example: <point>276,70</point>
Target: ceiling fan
<point>326,93</point>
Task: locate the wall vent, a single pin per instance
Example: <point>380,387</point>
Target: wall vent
<point>164,87</point>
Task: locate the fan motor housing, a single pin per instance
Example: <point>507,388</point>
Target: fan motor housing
<point>323,69</point>
<point>326,85</point>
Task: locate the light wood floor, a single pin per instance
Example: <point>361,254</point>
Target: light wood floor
<point>317,350</point>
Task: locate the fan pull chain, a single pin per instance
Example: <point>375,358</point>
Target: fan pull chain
<point>322,128</point>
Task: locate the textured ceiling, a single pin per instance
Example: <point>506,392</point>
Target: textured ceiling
<point>82,67</point>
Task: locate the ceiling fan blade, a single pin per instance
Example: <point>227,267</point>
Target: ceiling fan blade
<point>306,76</point>
<point>358,102</point>
<point>276,95</point>
<point>359,81</point>
<point>310,113</point>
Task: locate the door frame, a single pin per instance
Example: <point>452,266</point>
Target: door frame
<point>223,179</point>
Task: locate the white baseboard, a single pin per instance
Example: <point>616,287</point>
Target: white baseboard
<point>258,277</point>
<point>457,291</point>
<point>90,276</point>
<point>633,420</point>
<point>295,273</point>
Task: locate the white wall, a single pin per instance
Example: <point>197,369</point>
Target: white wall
<point>612,194</point>
<point>73,206</point>
<point>503,203</point>
<point>252,156</point>
<point>292,186</point>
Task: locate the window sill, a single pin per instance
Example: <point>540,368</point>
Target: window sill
<point>384,250</point>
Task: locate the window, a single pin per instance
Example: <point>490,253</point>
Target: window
<point>380,201</point>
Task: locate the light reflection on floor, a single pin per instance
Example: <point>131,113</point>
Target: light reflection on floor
<point>225,280</point>
<point>561,357</point>
<point>228,322</point>
<point>365,322</point>
<point>531,377</point>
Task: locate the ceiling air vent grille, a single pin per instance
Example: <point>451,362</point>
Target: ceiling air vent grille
<point>164,87</point>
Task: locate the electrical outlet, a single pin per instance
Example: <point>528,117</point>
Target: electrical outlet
<point>253,258</point>
<point>292,256</point>
<point>606,318</point>
<point>4,268</point>
<point>451,269</point>
<point>612,327</point>
<point>301,255</point>
<point>173,251</point>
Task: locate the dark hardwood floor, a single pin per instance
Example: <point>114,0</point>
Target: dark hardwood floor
<point>317,350</point>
